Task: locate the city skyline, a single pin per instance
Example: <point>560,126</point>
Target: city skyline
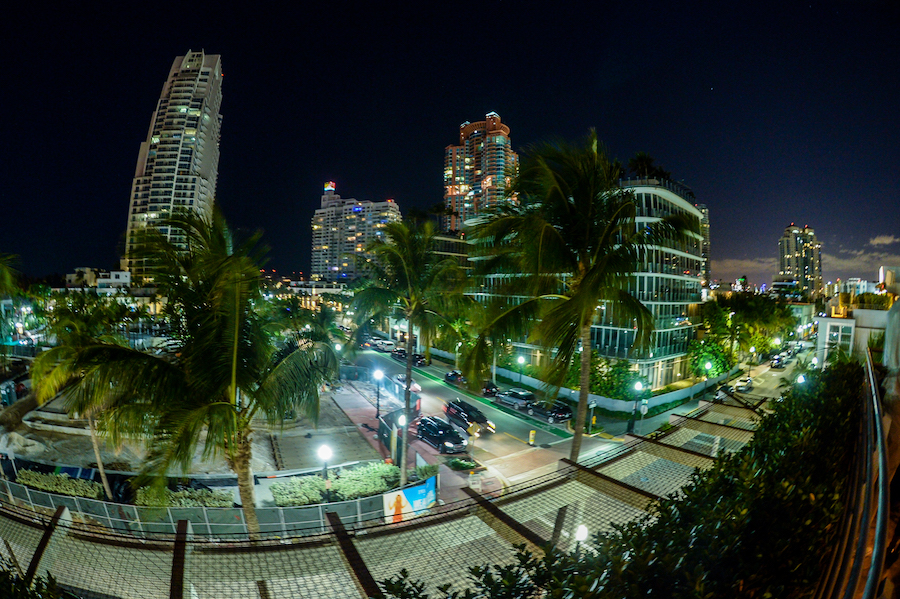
<point>772,114</point>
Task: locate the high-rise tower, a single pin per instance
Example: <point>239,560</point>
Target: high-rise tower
<point>178,165</point>
<point>478,170</point>
<point>800,260</point>
<point>342,230</point>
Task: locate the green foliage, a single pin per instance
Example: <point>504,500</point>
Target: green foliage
<point>461,464</point>
<point>701,353</point>
<point>427,471</point>
<point>13,585</point>
<point>757,524</point>
<point>875,301</point>
<point>610,378</point>
<point>60,484</point>
<point>364,481</point>
<point>153,497</point>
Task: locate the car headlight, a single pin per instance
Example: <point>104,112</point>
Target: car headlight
<point>448,444</point>
<point>464,442</point>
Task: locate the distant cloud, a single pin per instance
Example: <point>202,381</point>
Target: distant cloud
<point>758,270</point>
<point>884,240</point>
<point>847,263</point>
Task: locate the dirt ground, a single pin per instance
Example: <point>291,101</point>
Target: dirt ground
<point>76,450</point>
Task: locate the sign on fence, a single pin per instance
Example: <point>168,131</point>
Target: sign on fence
<point>409,502</point>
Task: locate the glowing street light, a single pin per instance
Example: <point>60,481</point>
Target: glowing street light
<point>638,387</point>
<point>581,535</point>
<point>325,455</point>
<point>521,361</point>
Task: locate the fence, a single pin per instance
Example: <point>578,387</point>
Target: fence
<point>215,523</point>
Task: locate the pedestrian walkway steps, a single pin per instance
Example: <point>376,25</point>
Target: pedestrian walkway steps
<point>717,418</point>
<point>649,473</point>
<point>700,442</point>
<point>584,505</point>
<point>437,554</point>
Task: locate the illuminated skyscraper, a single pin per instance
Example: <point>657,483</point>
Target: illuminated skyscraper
<point>478,170</point>
<point>800,260</point>
<point>342,229</point>
<point>178,165</point>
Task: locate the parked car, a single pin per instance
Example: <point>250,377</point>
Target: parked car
<point>441,435</point>
<point>516,398</point>
<point>744,384</point>
<point>455,377</point>
<point>555,412</point>
<point>413,385</point>
<point>489,389</point>
<point>777,363</point>
<point>724,392</point>
<point>465,414</point>
<point>399,354</point>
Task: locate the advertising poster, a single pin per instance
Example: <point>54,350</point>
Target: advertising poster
<point>411,502</point>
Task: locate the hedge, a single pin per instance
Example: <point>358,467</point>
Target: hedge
<point>60,484</point>
<point>151,497</point>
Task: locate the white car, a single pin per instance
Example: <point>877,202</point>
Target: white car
<point>744,384</point>
<point>413,385</point>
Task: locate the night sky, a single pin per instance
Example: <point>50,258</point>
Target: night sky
<point>772,112</point>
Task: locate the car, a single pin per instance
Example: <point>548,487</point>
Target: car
<point>399,354</point>
<point>778,363</point>
<point>385,345</point>
<point>489,389</point>
<point>555,412</point>
<point>440,435</point>
<point>465,414</point>
<point>724,392</point>
<point>419,360</point>
<point>413,385</point>
<point>516,398</point>
<point>744,384</point>
<point>455,377</point>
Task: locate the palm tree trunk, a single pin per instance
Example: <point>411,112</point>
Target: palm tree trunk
<point>96,443</point>
<point>240,464</point>
<point>407,397</point>
<point>584,389</point>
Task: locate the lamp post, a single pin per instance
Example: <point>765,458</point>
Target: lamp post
<point>708,365</point>
<point>378,376</point>
<point>521,361</point>
<point>325,455</point>
<point>581,534</point>
<point>402,422</point>
<point>637,388</point>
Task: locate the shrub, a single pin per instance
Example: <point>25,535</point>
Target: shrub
<point>150,497</point>
<point>427,471</point>
<point>460,464</point>
<point>298,490</point>
<point>60,484</point>
<point>363,481</point>
<point>13,586</point>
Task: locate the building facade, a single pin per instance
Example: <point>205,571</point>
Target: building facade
<point>342,229</point>
<point>478,170</point>
<point>668,283</point>
<point>178,164</point>
<point>800,259</point>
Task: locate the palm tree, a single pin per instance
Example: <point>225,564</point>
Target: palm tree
<point>408,278</point>
<point>570,246</point>
<point>221,369</point>
<point>78,323</point>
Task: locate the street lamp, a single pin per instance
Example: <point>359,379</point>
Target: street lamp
<point>337,347</point>
<point>378,376</point>
<point>521,361</point>
<point>581,534</point>
<point>325,455</point>
<point>708,366</point>
<point>402,422</point>
<point>801,379</point>
<point>637,388</point>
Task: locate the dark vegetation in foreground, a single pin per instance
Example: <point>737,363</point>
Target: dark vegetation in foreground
<point>756,524</point>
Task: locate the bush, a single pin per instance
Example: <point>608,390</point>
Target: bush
<point>757,524</point>
<point>364,481</point>
<point>13,586</point>
<point>150,497</point>
<point>60,484</point>
<point>427,471</point>
<point>460,464</point>
<point>298,490</point>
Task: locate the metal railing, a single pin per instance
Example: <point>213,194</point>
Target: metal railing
<point>852,573</point>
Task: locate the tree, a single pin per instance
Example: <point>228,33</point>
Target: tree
<point>409,279</point>
<point>571,245</point>
<point>221,369</point>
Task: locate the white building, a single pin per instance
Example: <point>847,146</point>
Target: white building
<point>178,164</point>
<point>342,229</point>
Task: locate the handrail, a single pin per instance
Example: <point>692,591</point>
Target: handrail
<point>849,564</point>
